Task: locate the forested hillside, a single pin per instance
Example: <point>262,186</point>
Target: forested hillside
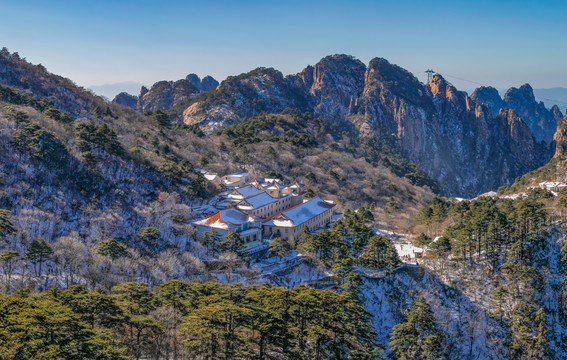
<point>507,257</point>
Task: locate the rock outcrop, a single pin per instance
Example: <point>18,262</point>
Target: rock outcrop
<point>246,95</point>
<point>540,120</point>
<point>560,137</point>
<point>489,96</point>
<point>333,85</point>
<point>126,100</point>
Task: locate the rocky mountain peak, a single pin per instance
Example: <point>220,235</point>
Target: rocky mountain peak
<point>208,83</point>
<point>194,79</point>
<point>439,87</point>
<point>541,121</point>
<point>126,100</point>
<point>524,94</point>
<point>489,96</point>
<point>166,94</point>
<point>334,83</point>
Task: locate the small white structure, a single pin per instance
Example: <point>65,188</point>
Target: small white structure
<point>522,195</point>
<point>237,179</point>
<point>554,185</point>
<point>491,194</point>
<point>214,178</point>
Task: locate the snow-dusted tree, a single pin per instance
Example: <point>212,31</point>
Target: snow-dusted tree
<point>69,254</point>
<point>9,259</point>
<point>229,262</point>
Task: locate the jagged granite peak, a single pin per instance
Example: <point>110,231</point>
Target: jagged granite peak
<point>208,83</point>
<point>164,95</point>
<point>194,79</point>
<point>489,96</point>
<point>333,84</point>
<point>395,79</point>
<point>556,111</point>
<point>388,90</point>
<point>126,100</point>
<point>542,121</point>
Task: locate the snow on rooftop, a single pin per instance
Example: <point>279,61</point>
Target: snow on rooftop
<point>260,200</point>
<point>301,213</point>
<point>226,219</point>
<point>238,174</point>
<point>248,191</point>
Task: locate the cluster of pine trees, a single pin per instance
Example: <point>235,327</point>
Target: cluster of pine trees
<point>350,242</point>
<point>179,320</point>
<point>513,242</point>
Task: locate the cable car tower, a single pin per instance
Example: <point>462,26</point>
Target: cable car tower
<point>429,73</point>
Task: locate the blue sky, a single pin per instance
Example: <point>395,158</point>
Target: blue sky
<point>500,43</point>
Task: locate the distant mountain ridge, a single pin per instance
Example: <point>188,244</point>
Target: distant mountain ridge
<point>541,121</point>
<point>452,136</point>
<point>164,95</point>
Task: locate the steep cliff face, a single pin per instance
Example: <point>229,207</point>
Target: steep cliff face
<point>456,139</point>
<point>540,120</point>
<point>126,100</point>
<point>334,85</point>
<point>560,137</point>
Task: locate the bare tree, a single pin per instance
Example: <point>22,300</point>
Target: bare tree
<point>70,253</point>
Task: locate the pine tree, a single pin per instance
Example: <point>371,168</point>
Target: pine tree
<point>541,347</point>
<point>111,248</point>
<point>162,119</point>
<point>38,252</point>
<point>6,226</point>
<point>211,240</point>
<point>232,243</point>
<point>150,239</point>
<point>417,337</point>
<point>280,246</point>
<point>9,259</point>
